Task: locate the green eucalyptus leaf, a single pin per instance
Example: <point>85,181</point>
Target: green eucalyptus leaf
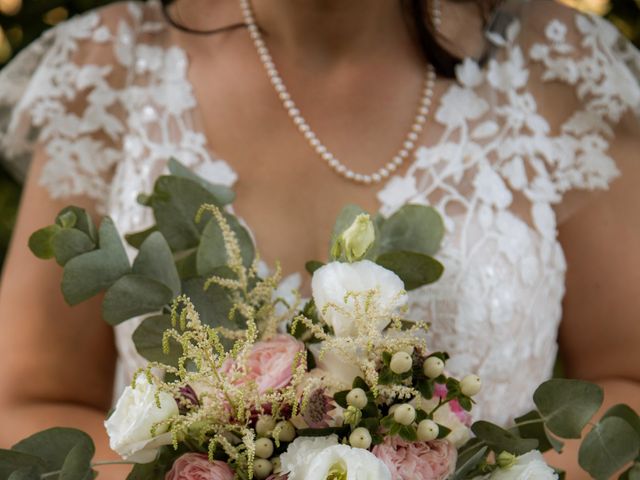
<point>67,219</point>
<point>414,228</point>
<point>536,430</point>
<point>608,447</point>
<point>40,241</point>
<point>175,202</point>
<point>312,266</point>
<point>82,221</point>
<point>626,413</point>
<point>157,469</point>
<point>77,465</point>
<point>134,295</point>
<point>53,446</point>
<point>88,274</point>
<point>69,243</point>
<point>186,264</point>
<point>11,461</point>
<point>567,405</point>
<point>212,253</point>
<point>213,305</point>
<point>408,433</point>
<point>468,460</point>
<point>632,473</point>
<point>136,239</point>
<point>223,194</point>
<point>25,473</point>
<point>415,269</point>
<point>155,261</point>
<point>500,440</point>
<point>148,340</point>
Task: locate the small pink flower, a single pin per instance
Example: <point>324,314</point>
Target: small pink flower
<point>196,466</point>
<point>434,460</point>
<point>441,391</point>
<point>271,363</point>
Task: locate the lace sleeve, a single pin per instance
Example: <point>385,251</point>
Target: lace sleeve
<point>590,75</point>
<point>63,92</point>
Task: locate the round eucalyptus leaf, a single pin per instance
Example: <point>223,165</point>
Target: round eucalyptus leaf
<point>537,430</point>
<point>212,253</point>
<point>608,447</point>
<point>25,473</point>
<point>223,194</point>
<point>414,269</point>
<point>77,465</point>
<point>469,460</point>
<point>53,446</point>
<point>626,413</point>
<point>136,239</point>
<point>414,228</point>
<point>12,461</point>
<point>88,274</point>
<point>155,261</point>
<point>40,241</point>
<point>134,295</point>
<point>148,340</point>
<point>632,473</point>
<point>81,221</point>
<point>500,440</point>
<point>567,405</point>
<point>68,243</point>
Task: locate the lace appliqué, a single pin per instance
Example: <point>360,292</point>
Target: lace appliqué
<point>495,175</point>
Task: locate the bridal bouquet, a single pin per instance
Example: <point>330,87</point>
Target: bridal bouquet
<point>246,379</point>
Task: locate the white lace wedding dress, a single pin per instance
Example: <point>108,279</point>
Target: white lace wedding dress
<point>108,96</point>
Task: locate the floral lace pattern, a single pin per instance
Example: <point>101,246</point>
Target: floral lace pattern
<point>109,126</point>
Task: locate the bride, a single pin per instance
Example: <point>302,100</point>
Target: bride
<point>515,120</point>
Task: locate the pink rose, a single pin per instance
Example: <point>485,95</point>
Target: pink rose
<point>271,363</point>
<point>196,466</point>
<point>441,391</point>
<point>434,460</point>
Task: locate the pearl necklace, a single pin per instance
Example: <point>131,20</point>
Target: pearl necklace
<point>408,146</point>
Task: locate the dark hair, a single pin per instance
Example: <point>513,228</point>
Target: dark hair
<point>419,20</point>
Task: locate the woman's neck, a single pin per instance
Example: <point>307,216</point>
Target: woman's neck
<point>331,29</point>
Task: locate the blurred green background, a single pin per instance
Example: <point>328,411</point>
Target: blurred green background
<point>21,21</point>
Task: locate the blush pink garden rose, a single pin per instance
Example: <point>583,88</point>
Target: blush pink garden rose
<point>196,466</point>
<point>271,362</point>
<point>434,460</point>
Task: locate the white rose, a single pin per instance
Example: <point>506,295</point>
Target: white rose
<point>129,427</point>
<point>334,280</point>
<point>335,365</point>
<point>529,466</point>
<point>315,458</point>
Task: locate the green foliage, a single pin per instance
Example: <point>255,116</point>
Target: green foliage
<point>414,269</point>
<point>58,453</point>
<point>148,339</point>
<point>413,228</point>
<point>501,440</point>
<point>567,405</point>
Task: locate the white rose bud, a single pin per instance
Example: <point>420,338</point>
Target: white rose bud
<point>433,367</point>
<point>470,385</point>
<point>401,362</point>
<point>428,430</point>
<point>356,240</point>
<point>265,425</point>
<point>264,448</point>
<point>357,398</point>
<point>287,431</point>
<point>404,414</point>
<point>262,468</point>
<point>136,413</point>
<point>360,438</point>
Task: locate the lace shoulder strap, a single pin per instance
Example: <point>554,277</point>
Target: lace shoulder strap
<point>62,91</point>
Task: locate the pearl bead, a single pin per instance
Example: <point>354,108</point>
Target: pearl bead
<point>428,430</point>
<point>397,161</point>
<point>392,167</point>
<point>264,447</point>
<point>408,145</point>
<point>294,112</point>
<point>357,398</point>
<point>321,149</point>
<point>358,177</point>
<point>412,136</point>
<point>405,414</point>
<point>284,96</point>
<point>384,173</point>
<point>304,128</point>
<point>401,362</point>
<point>367,179</point>
<point>289,104</point>
<point>326,156</point>
<point>360,438</point>
<point>350,174</point>
<point>421,118</point>
<point>334,163</point>
<point>376,177</point>
<point>341,169</point>
<point>298,120</point>
<point>433,367</point>
<point>315,143</point>
<point>309,135</point>
<point>470,385</point>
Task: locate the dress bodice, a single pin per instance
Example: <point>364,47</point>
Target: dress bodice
<point>108,97</point>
